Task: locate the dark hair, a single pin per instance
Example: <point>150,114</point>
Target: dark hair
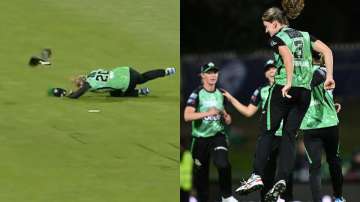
<point>291,9</point>
<point>268,65</point>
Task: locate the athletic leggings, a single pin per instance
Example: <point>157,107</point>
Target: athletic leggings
<point>217,148</point>
<point>138,78</point>
<point>328,139</point>
<point>269,174</point>
<point>291,111</point>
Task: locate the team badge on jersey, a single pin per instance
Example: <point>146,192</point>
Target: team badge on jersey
<point>255,94</point>
<point>192,99</point>
<point>273,43</point>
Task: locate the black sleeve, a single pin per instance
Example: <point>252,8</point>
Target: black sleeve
<point>80,91</point>
<point>225,102</point>
<point>319,76</point>
<point>312,38</point>
<point>193,99</point>
<point>256,97</point>
<point>275,42</point>
<point>312,41</point>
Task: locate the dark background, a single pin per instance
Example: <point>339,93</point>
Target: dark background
<point>230,34</point>
<point>235,25</point>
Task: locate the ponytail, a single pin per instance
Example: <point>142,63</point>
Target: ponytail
<point>291,10</point>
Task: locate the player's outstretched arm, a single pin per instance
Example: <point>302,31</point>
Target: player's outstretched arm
<point>247,111</point>
<point>80,91</point>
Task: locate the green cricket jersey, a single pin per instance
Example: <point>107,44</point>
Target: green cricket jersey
<point>202,100</point>
<point>321,112</point>
<point>259,98</point>
<point>101,80</point>
<point>300,45</point>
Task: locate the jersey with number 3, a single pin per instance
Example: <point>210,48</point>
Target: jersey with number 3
<point>101,80</point>
<point>300,45</point>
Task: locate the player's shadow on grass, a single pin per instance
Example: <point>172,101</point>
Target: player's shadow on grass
<point>9,103</point>
<point>78,137</point>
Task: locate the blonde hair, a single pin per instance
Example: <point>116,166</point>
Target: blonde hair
<point>79,80</point>
<point>291,9</point>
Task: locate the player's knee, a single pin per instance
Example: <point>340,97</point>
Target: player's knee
<point>142,79</point>
<point>290,132</point>
<point>222,164</point>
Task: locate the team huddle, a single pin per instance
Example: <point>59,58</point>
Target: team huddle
<point>298,97</point>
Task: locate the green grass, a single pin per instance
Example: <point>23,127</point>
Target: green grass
<point>53,149</point>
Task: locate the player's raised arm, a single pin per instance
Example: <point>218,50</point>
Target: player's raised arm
<point>322,48</point>
<point>247,111</point>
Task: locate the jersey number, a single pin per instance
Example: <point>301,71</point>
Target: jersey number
<point>102,76</point>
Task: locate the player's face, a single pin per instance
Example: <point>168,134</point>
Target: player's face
<point>270,74</point>
<point>271,28</point>
<point>210,77</point>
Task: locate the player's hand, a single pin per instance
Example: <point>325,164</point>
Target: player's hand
<point>213,111</point>
<point>228,96</point>
<point>337,107</point>
<point>329,84</point>
<point>285,91</point>
<point>227,117</point>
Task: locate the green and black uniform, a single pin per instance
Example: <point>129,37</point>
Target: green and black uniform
<point>258,99</point>
<point>209,139</point>
<point>320,128</point>
<point>120,81</point>
<point>291,110</point>
<point>101,80</point>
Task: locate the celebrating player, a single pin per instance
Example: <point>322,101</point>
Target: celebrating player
<point>258,100</point>
<point>289,98</point>
<point>205,108</point>
<point>321,131</point>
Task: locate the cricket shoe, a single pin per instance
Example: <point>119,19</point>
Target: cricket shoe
<point>229,199</point>
<point>170,71</point>
<point>339,199</point>
<point>254,183</point>
<point>144,91</point>
<point>274,193</point>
